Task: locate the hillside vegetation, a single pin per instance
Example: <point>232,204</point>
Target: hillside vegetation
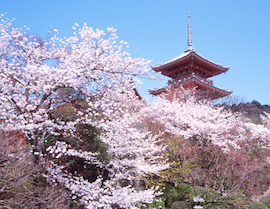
<point>25,185</point>
<point>252,110</point>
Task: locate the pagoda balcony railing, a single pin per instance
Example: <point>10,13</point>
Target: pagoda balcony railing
<point>189,76</point>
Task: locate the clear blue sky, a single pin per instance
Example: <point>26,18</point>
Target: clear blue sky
<point>228,32</point>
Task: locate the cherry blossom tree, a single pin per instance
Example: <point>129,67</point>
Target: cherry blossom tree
<point>211,147</point>
<point>33,71</point>
<point>89,74</point>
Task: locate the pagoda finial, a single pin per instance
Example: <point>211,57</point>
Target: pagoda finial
<point>189,48</point>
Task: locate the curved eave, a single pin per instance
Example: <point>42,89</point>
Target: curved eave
<point>194,82</point>
<point>215,65</point>
<point>205,86</point>
<point>172,63</point>
<point>187,58</point>
<point>157,91</point>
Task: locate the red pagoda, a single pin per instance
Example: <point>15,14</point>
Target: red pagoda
<point>190,70</point>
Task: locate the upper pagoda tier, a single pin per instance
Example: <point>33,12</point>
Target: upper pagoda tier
<point>190,61</point>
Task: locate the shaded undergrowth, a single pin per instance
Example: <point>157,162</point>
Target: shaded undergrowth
<point>22,184</point>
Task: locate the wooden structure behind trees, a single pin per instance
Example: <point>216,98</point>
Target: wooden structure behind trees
<point>190,70</point>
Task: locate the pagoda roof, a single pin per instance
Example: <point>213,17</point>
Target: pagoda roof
<point>193,82</point>
<point>192,62</point>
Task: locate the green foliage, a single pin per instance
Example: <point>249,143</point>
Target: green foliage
<point>181,192</point>
<point>50,140</point>
<point>181,205</point>
<point>208,194</point>
<point>257,206</point>
<point>72,203</point>
<point>256,120</point>
<point>78,167</point>
<point>71,163</point>
<point>267,202</point>
<point>217,205</point>
<point>87,139</point>
<point>180,166</point>
<point>65,113</point>
<point>158,203</point>
<point>255,151</point>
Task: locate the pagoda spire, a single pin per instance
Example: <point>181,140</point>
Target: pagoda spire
<point>189,48</point>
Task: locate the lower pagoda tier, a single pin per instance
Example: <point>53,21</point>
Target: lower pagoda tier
<point>202,87</point>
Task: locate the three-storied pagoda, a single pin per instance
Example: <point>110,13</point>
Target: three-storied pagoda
<point>190,70</point>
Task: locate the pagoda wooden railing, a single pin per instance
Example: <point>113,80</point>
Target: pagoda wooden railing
<point>189,76</point>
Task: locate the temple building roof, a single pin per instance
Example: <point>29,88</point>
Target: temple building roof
<point>191,61</point>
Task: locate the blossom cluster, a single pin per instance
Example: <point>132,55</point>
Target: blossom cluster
<point>135,152</point>
<point>207,121</point>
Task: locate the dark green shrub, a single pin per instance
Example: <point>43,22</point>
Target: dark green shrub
<point>267,202</point>
<point>181,205</point>
<point>258,206</point>
<point>179,193</point>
